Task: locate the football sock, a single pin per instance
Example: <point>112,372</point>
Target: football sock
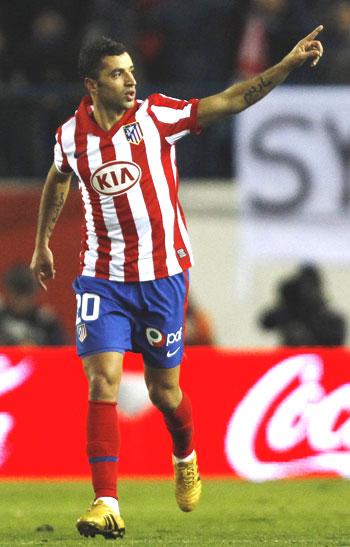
<point>102,447</point>
<point>111,502</point>
<point>188,458</point>
<point>179,423</point>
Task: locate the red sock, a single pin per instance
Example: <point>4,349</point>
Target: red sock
<point>180,426</point>
<point>102,447</point>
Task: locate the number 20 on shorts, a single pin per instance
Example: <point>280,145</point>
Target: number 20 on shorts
<point>88,307</point>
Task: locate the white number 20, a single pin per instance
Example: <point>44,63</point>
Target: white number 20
<point>88,307</point>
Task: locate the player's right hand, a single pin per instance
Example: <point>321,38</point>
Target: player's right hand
<point>42,266</point>
<point>308,49</point>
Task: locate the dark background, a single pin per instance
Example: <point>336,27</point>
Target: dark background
<point>184,49</point>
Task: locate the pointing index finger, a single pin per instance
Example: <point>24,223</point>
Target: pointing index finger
<point>314,33</point>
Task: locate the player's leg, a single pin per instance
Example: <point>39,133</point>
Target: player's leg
<point>103,335</point>
<point>103,371</point>
<point>159,335</point>
<point>163,350</point>
<point>175,406</point>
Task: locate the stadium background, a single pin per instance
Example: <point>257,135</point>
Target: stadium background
<point>305,427</point>
<point>39,42</point>
<point>38,89</point>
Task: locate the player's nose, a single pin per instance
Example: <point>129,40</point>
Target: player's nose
<point>130,78</point>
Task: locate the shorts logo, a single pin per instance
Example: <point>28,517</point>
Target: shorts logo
<point>174,337</point>
<point>115,177</point>
<point>81,332</point>
<point>155,337</point>
<point>171,353</point>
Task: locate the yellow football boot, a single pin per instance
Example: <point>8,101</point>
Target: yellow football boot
<point>101,519</point>
<point>188,486</point>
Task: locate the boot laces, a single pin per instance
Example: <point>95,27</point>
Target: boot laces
<point>188,474</point>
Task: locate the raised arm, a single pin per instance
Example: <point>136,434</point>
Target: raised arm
<point>241,95</point>
<point>53,198</point>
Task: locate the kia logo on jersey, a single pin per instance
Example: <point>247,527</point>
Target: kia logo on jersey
<point>115,177</point>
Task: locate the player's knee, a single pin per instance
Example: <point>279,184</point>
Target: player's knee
<point>164,397</point>
<point>103,386</point>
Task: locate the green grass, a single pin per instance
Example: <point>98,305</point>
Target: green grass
<point>307,512</point>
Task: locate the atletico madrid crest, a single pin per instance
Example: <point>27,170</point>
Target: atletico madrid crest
<point>133,133</point>
<point>81,332</point>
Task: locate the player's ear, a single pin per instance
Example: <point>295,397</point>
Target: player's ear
<point>90,85</point>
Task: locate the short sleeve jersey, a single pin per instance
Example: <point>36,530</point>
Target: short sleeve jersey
<point>134,227</point>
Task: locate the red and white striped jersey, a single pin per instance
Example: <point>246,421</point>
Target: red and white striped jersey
<point>134,227</point>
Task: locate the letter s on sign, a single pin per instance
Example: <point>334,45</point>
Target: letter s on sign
<point>281,157</point>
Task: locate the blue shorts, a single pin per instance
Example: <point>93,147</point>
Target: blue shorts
<point>146,317</point>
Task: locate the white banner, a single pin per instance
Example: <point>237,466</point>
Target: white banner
<point>293,158</point>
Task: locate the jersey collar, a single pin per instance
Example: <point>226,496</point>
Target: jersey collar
<point>87,123</point>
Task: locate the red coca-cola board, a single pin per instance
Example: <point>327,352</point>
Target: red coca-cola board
<point>259,415</point>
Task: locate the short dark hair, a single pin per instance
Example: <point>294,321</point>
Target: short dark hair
<point>92,53</point>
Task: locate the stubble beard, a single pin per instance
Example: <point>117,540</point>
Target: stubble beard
<point>118,105</point>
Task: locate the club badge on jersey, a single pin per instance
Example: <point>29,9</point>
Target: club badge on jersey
<point>133,133</point>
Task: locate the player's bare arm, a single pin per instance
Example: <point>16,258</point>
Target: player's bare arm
<point>53,198</point>
<point>240,96</point>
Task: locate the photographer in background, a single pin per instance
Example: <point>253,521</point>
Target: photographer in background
<point>23,322</point>
<point>302,316</point>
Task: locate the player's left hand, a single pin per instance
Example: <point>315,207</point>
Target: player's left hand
<point>306,49</point>
<point>42,266</point>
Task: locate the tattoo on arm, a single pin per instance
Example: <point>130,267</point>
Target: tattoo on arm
<point>256,92</point>
<point>57,207</point>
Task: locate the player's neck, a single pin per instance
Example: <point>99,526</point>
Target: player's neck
<point>106,118</point>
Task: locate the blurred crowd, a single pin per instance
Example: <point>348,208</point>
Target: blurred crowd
<point>183,49</point>
<point>172,40</point>
<point>24,319</point>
